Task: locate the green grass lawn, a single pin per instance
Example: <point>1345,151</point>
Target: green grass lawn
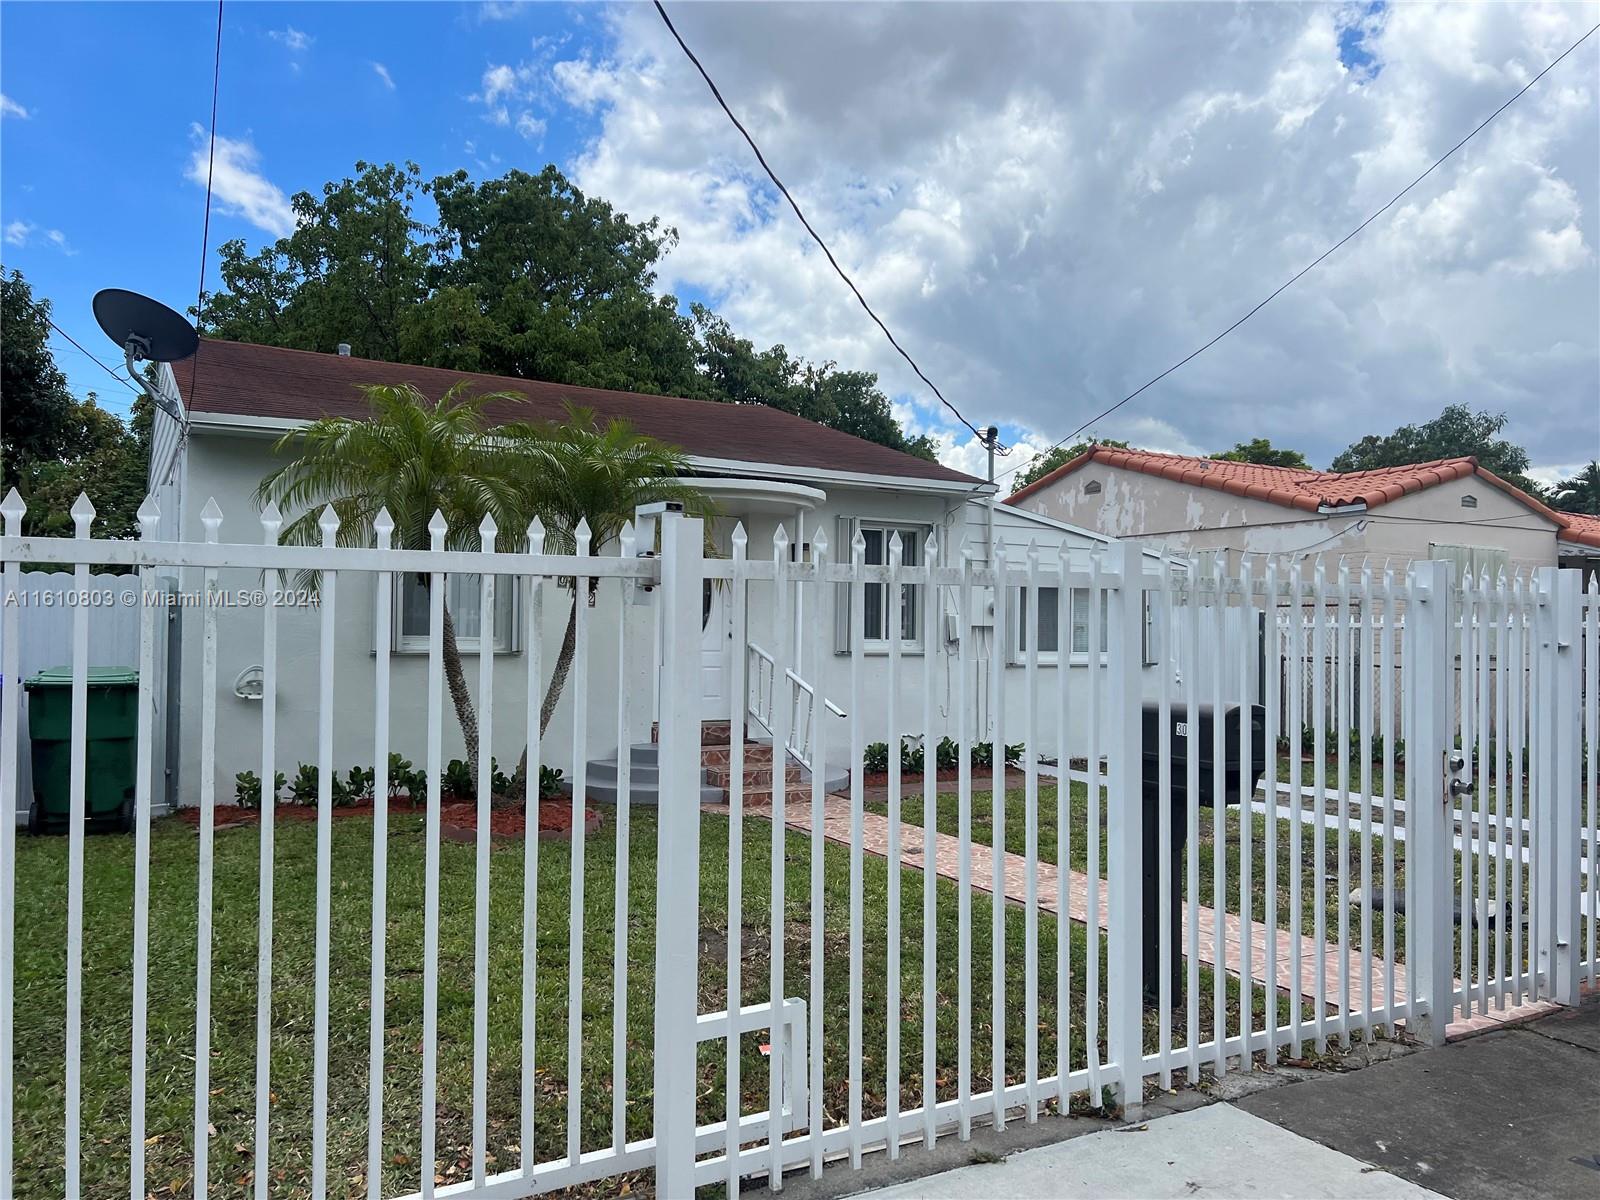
<point>107,990</point>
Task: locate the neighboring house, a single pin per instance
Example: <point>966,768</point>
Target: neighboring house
<point>1452,508</point>
<point>760,466</point>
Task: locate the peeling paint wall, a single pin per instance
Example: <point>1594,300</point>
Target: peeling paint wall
<point>1187,519</point>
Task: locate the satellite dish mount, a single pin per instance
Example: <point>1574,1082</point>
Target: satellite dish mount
<point>147,331</point>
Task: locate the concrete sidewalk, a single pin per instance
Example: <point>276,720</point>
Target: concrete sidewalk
<point>1506,1115</point>
<point>1216,1151</point>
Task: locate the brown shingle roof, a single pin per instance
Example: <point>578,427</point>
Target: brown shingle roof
<point>1310,490</point>
<point>238,378</point>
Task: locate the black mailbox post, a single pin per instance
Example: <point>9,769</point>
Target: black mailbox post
<point>1200,734</point>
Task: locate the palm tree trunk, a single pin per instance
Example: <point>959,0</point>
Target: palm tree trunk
<point>552,696</point>
<point>456,680</point>
<point>558,677</point>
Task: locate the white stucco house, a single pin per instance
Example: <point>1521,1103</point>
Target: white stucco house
<point>1452,509</point>
<point>760,466</point>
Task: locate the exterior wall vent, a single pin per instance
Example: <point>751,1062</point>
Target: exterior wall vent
<point>1092,488</point>
<point>1469,502</point>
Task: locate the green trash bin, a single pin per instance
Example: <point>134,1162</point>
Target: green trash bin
<point>109,753</point>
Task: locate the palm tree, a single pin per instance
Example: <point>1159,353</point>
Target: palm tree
<point>1581,493</point>
<point>414,458</point>
<point>584,472</point>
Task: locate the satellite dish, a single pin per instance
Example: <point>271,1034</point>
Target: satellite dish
<point>146,329</point>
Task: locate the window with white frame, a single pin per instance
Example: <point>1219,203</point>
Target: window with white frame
<point>463,597</point>
<point>876,614</point>
<point>1080,621</point>
<point>1050,623</point>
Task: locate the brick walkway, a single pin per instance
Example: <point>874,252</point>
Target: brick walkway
<point>947,861</point>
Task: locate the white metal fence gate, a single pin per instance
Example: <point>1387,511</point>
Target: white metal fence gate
<point>809,973</point>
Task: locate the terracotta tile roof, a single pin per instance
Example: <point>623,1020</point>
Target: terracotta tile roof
<point>1311,490</point>
<point>1292,486</point>
<point>238,378</point>
<point>1580,528</point>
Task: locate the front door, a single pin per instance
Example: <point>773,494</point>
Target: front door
<point>715,645</point>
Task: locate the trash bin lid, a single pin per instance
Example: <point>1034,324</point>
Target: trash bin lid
<point>97,677</point>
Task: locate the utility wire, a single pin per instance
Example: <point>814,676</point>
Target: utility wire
<point>211,163</point>
<point>205,242</point>
<point>815,236</point>
<point>1309,266</point>
<point>97,362</point>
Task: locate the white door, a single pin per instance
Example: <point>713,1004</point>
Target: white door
<point>715,645</point>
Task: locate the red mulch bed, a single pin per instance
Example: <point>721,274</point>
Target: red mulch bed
<point>981,778</point>
<point>458,819</point>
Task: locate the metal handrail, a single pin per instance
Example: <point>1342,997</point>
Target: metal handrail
<point>758,703</point>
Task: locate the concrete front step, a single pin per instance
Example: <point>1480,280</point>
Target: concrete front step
<point>755,754</point>
<point>642,794</point>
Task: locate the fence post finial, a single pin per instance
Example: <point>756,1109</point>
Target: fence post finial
<point>211,518</point>
<point>82,515</point>
<point>383,526</point>
<point>271,523</point>
<point>149,515</point>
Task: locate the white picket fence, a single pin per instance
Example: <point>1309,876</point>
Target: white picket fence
<point>851,929</point>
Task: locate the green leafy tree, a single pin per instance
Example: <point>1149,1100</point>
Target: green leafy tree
<point>1263,453</point>
<point>353,270</point>
<point>38,403</point>
<point>1455,432</point>
<point>55,445</point>
<point>1057,457</point>
<point>523,275</point>
<point>1580,494</point>
<point>563,283</point>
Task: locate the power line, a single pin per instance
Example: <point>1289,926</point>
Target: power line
<point>211,163</point>
<point>815,236</point>
<point>1313,263</point>
<point>124,382</point>
<point>205,242</point>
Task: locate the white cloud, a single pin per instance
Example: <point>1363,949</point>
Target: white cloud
<point>1085,194</point>
<point>530,126</point>
<point>238,186</point>
<point>292,39</point>
<point>20,233</point>
<point>501,10</point>
<point>382,72</point>
<point>10,108</point>
<point>511,94</point>
<point>1552,475</point>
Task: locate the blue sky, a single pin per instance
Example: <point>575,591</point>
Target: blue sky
<point>104,151</point>
<point>1048,203</point>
